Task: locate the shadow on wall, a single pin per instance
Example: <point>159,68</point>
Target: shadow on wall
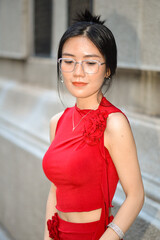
<point>128,42</point>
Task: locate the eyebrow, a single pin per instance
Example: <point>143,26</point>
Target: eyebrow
<point>88,55</point>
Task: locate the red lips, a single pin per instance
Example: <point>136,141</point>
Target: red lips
<point>79,84</point>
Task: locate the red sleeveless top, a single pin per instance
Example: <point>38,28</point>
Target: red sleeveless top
<point>77,161</point>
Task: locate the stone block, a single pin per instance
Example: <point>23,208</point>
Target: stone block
<point>150,37</point>
<point>136,91</point>
<point>123,18</point>
<point>13,29</point>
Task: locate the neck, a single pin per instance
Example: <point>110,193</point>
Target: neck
<point>90,102</point>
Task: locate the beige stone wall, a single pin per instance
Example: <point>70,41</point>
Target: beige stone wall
<point>24,137</point>
<point>28,99</point>
<point>24,189</point>
<point>135,25</point>
<point>137,91</point>
<point>14,29</point>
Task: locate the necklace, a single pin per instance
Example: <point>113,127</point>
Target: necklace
<point>74,127</point>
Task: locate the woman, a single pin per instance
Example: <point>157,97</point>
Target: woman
<point>92,145</point>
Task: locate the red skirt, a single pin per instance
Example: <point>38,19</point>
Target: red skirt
<point>76,231</point>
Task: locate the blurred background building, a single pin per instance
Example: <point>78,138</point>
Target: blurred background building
<point>30,31</point>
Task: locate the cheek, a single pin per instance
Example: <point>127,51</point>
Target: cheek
<point>95,82</point>
<point>98,80</point>
<point>68,83</point>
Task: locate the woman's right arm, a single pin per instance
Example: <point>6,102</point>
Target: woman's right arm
<point>51,201</point>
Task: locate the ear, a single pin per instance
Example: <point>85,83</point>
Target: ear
<point>108,73</point>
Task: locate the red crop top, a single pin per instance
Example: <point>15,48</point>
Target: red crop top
<point>77,161</point>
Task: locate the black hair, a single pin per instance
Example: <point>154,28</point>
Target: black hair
<point>94,29</point>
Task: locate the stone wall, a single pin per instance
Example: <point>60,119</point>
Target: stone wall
<point>28,99</point>
<point>135,25</point>
<point>14,29</point>
<point>24,138</point>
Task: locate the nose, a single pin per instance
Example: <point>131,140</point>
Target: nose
<point>78,70</point>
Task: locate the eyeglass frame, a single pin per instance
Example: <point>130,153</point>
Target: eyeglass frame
<point>81,63</point>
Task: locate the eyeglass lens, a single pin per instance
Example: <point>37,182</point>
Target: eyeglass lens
<point>89,66</point>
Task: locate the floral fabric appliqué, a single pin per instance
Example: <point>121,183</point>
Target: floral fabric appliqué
<point>53,227</point>
<point>94,126</point>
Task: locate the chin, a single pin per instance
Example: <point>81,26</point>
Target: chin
<point>82,92</point>
<point>79,95</point>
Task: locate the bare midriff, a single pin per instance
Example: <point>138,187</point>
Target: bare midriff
<point>82,217</point>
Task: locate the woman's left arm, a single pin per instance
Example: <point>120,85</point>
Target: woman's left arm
<point>118,139</point>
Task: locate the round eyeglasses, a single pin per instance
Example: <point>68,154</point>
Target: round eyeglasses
<point>88,66</point>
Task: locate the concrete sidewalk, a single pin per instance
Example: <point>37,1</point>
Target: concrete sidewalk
<point>4,235</point>
<point>142,230</point>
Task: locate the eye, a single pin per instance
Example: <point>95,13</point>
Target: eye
<point>91,63</point>
<point>68,61</point>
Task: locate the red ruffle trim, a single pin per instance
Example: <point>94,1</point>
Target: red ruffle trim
<point>52,225</point>
<point>94,126</point>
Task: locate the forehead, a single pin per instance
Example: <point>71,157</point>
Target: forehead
<point>80,45</point>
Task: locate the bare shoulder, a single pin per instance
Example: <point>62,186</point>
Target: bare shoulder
<point>117,121</point>
<point>117,129</point>
<point>53,124</point>
<point>55,118</point>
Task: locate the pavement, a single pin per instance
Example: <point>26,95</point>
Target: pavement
<point>141,230</point>
<point>4,235</point>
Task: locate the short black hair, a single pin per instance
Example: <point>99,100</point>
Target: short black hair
<point>94,29</point>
